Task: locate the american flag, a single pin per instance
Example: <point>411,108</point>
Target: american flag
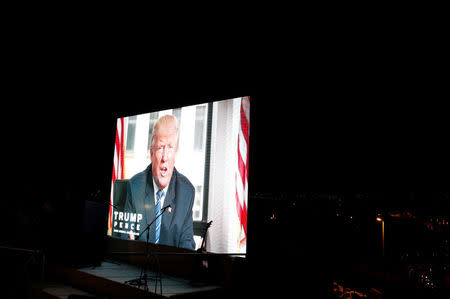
<point>118,164</point>
<point>242,171</point>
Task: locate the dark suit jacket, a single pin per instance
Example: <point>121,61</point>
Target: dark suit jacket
<point>177,226</point>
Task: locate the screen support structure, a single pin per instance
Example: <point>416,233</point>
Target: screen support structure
<point>144,278</point>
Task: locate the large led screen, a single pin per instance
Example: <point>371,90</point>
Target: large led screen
<point>176,171</point>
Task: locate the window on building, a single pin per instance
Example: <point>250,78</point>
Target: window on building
<point>153,120</point>
<point>200,118</point>
<point>177,114</point>
<point>198,204</point>
<point>200,154</point>
<point>131,133</point>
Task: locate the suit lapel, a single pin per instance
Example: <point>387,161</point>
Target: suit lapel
<point>149,203</point>
<point>169,200</point>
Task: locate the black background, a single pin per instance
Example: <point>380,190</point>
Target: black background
<point>339,134</point>
<point>353,135</point>
<point>334,110</point>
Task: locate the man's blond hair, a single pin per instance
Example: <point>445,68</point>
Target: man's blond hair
<point>166,121</point>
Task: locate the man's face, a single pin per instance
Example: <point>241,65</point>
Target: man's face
<point>162,155</point>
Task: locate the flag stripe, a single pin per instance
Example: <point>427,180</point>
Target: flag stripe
<point>242,166</point>
<point>240,191</point>
<point>118,164</point>
<point>122,150</point>
<point>244,126</point>
<point>242,213</point>
<point>242,147</point>
<point>244,218</point>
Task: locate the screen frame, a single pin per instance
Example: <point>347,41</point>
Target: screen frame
<point>198,226</point>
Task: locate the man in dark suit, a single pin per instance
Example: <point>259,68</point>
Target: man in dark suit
<point>161,185</point>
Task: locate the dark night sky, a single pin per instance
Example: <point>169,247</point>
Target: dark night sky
<point>340,140</point>
<point>347,117</point>
<point>299,142</point>
<point>337,140</point>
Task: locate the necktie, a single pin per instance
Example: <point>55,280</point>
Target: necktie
<point>159,195</point>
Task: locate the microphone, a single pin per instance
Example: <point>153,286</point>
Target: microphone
<point>114,206</point>
<point>168,207</point>
<point>110,205</point>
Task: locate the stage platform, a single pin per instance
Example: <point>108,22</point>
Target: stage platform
<point>108,281</point>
